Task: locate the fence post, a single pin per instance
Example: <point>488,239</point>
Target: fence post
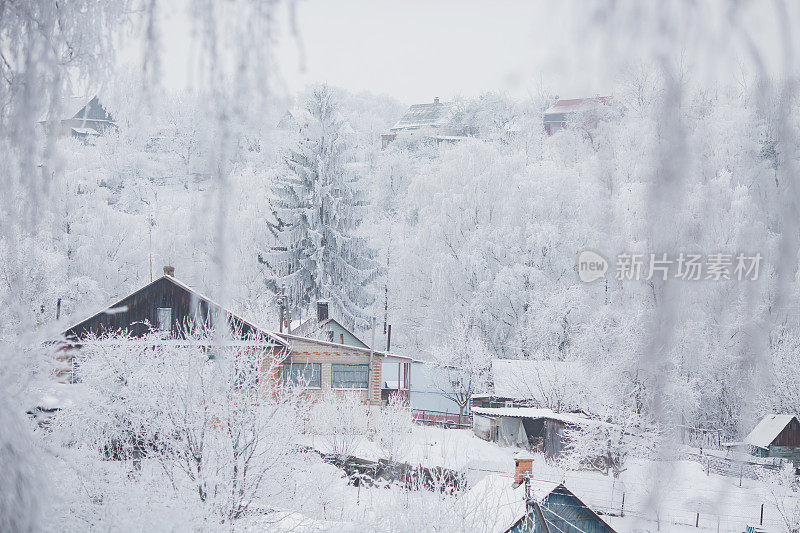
<point>622,509</point>
<point>761,520</point>
<point>697,520</point>
<point>741,467</point>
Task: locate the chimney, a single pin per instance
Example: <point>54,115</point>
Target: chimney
<point>322,311</point>
<point>523,467</point>
<point>169,271</point>
<point>435,99</point>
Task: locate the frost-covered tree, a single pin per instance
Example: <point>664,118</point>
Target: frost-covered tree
<point>319,205</point>
<point>462,362</point>
<point>207,414</point>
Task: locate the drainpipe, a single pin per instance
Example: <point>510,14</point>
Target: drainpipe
<point>371,357</point>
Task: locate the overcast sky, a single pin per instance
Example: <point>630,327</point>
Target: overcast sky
<point>415,50</point>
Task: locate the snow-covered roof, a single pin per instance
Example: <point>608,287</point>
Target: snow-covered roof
<point>297,339</point>
<point>767,430</point>
<point>534,412</point>
<point>525,379</point>
<point>424,115</point>
<point>577,104</point>
<point>497,505</point>
<point>113,308</point>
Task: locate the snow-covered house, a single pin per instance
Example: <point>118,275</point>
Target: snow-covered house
<point>426,121</point>
<point>499,504</point>
<point>532,383</point>
<point>173,309</point>
<point>562,112</point>
<point>85,117</point>
<point>776,435</point>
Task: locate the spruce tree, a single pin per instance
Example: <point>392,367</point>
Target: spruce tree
<point>318,207</point>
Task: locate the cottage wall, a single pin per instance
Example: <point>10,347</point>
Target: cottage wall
<point>327,355</point>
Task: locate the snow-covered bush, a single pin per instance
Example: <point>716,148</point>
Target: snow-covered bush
<point>605,445</point>
<point>341,420</point>
<point>205,413</point>
<point>393,426</point>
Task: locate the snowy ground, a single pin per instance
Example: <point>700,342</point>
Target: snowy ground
<point>683,488</point>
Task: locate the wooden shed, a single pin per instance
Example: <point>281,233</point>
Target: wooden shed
<point>776,435</point>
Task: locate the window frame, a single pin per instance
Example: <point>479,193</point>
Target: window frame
<point>316,371</point>
<point>342,367</point>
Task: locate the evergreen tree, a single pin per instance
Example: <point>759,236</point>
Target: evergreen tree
<point>318,207</point>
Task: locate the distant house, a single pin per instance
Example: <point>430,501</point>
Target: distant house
<point>540,430</point>
<point>532,383</point>
<point>776,435</point>
<point>498,504</point>
<point>166,305</point>
<point>426,121</point>
<point>324,327</point>
<point>84,117</point>
<point>558,115</point>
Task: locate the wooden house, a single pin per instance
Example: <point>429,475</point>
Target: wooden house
<point>776,435</point>
<point>171,308</point>
<point>499,504</point>
<point>84,117</point>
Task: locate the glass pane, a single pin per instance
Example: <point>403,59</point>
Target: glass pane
<point>349,376</point>
<point>303,374</point>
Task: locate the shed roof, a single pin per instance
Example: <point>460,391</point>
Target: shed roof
<point>768,429</point>
<point>533,412</point>
<point>525,379</point>
<point>302,343</point>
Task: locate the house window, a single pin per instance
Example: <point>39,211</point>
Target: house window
<point>307,375</point>
<point>350,376</point>
<point>164,318</point>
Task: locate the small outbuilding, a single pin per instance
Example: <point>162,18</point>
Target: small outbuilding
<point>540,430</point>
<point>776,435</point>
